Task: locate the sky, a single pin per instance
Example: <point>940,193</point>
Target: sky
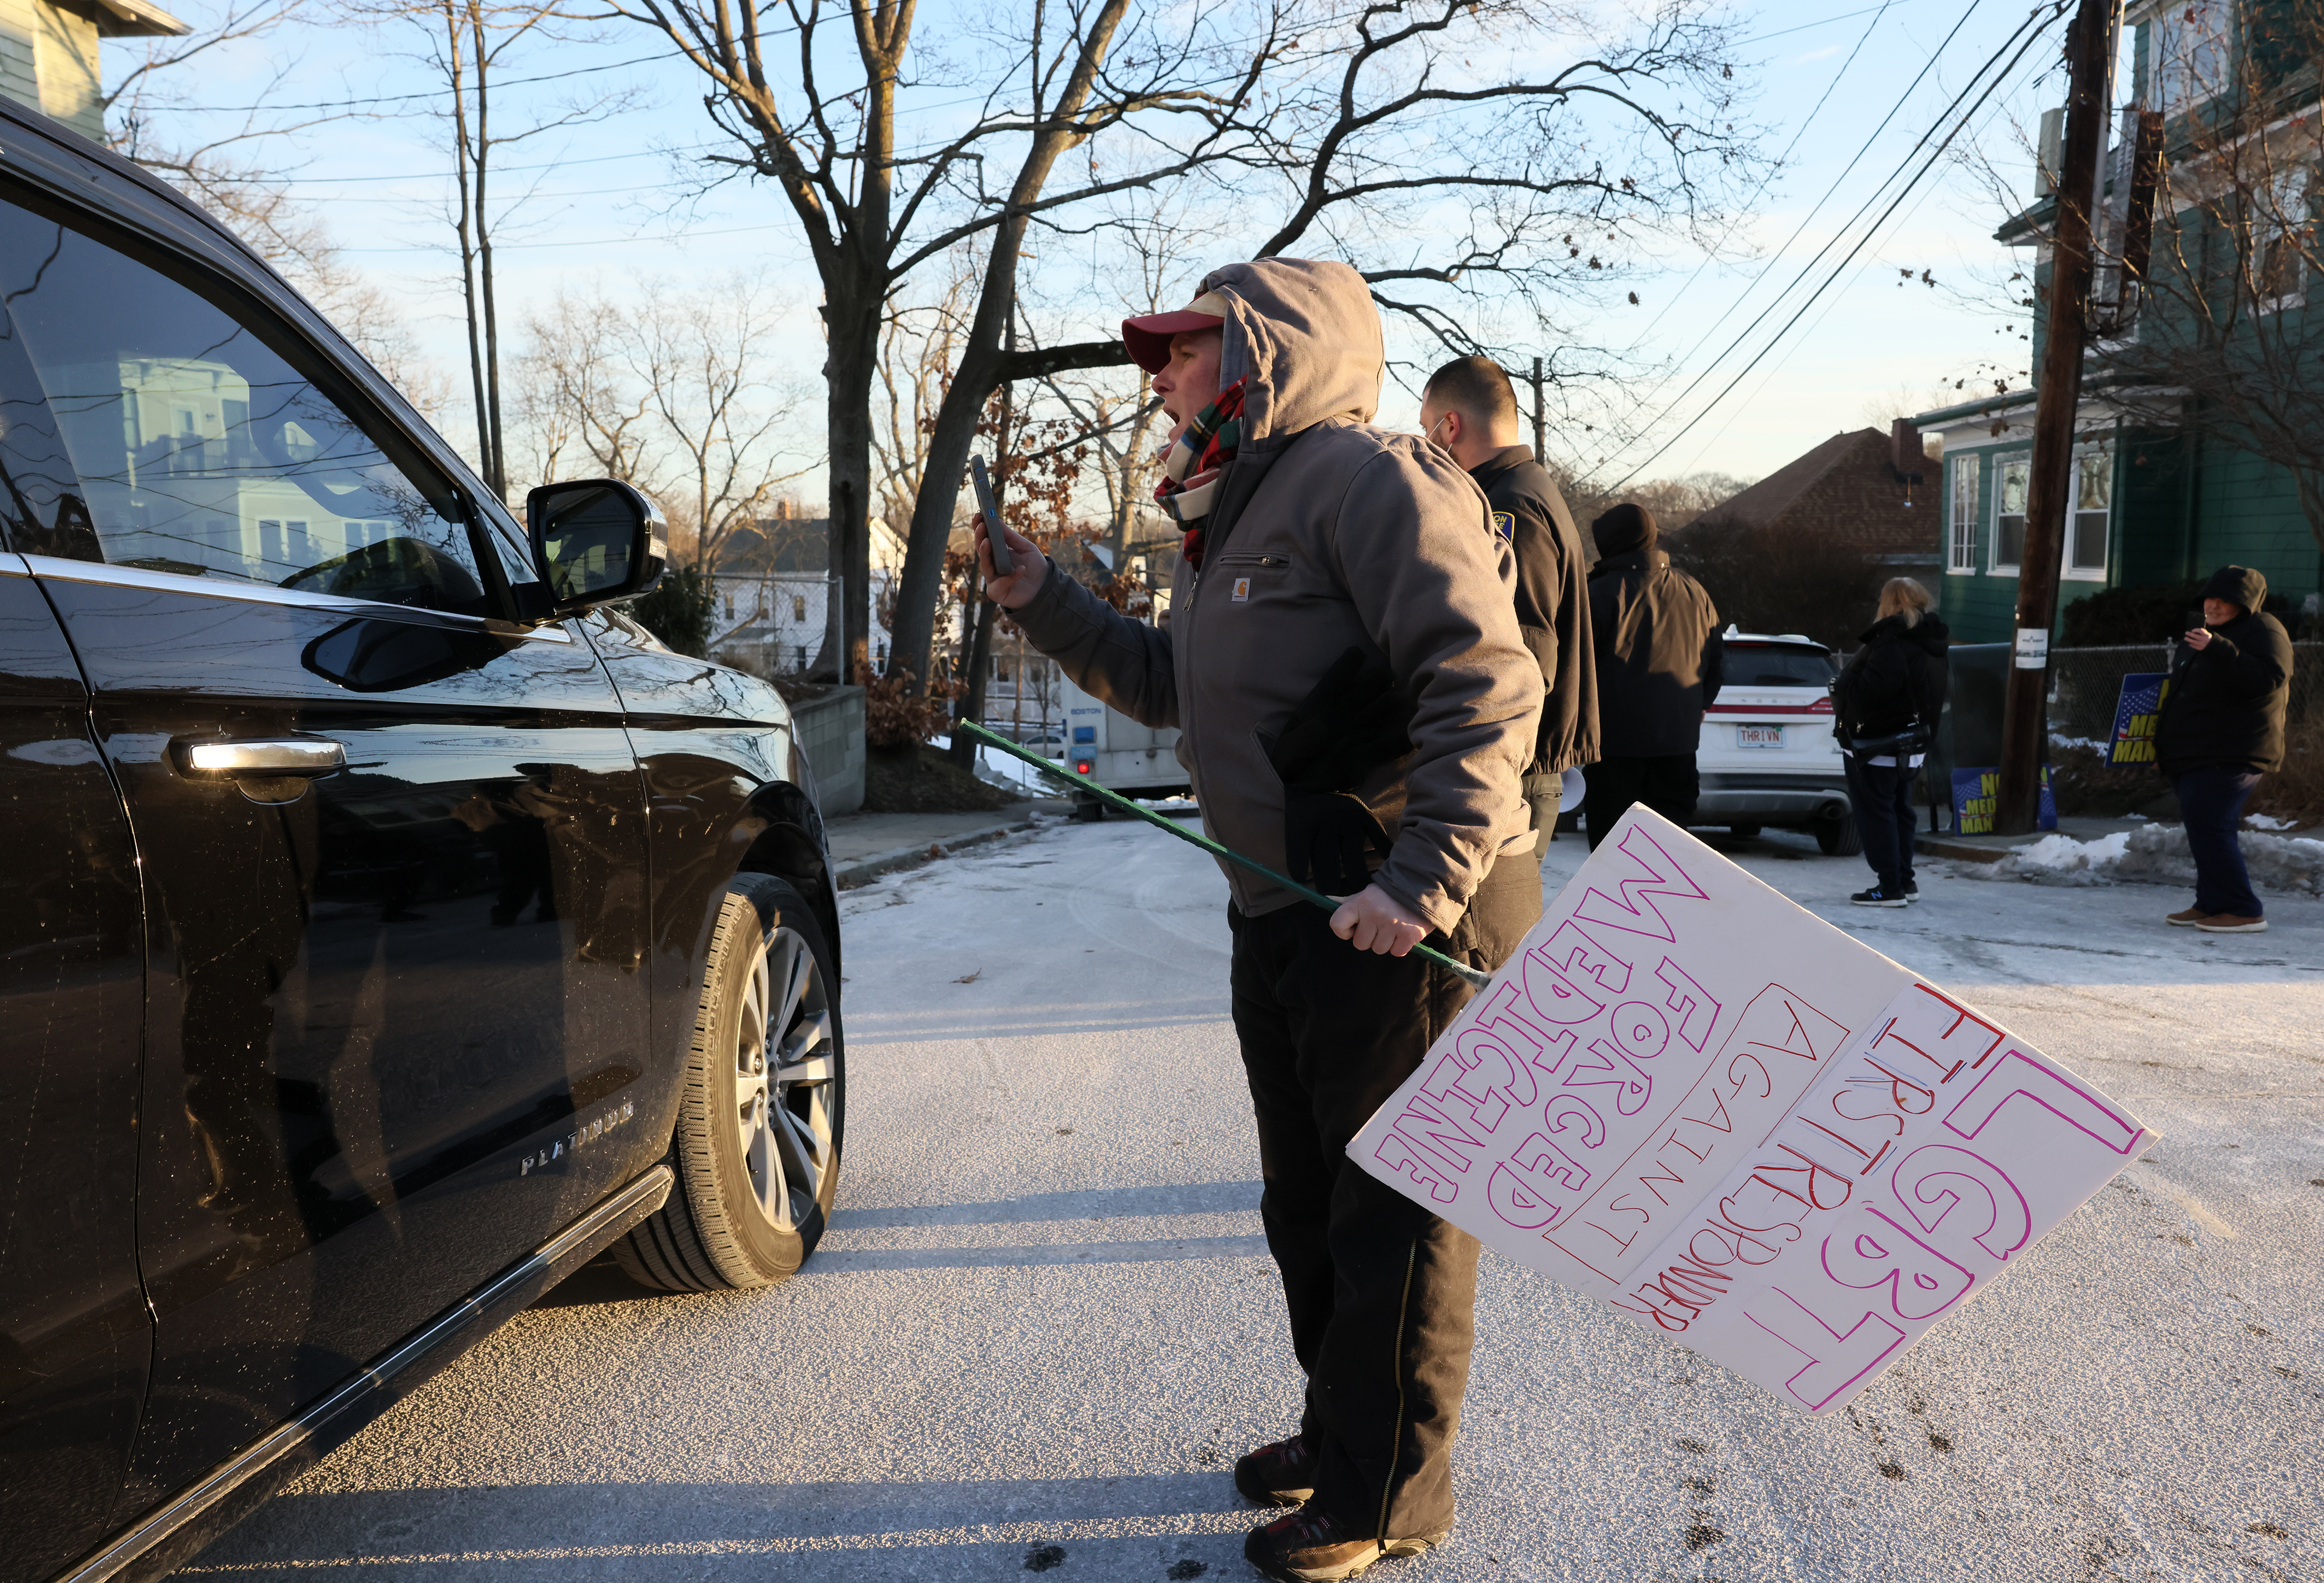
<point>1845,90</point>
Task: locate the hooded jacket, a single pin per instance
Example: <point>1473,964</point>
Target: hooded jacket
<point>1897,678</point>
<point>1659,657</point>
<point>1326,533</point>
<point>1553,597</point>
<point>2226,701</point>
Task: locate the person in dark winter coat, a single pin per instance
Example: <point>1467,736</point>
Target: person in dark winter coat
<point>1886,703</point>
<point>1470,408</point>
<point>2222,728</point>
<point>1659,660</point>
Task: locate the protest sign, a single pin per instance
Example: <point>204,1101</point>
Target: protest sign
<point>2135,714</point>
<point>1733,1124</point>
<point>1976,793</point>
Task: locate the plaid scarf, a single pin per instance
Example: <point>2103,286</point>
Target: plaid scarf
<point>1192,468</point>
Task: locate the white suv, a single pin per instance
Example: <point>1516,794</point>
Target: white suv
<point>1768,754</point>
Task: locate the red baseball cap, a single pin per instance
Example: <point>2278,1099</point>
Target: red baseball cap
<point>1147,338</point>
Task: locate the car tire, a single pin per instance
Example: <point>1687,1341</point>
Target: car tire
<point>1839,838</point>
<point>764,1106</point>
<point>1089,811</point>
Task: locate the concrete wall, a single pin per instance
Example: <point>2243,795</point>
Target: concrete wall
<point>831,735</point>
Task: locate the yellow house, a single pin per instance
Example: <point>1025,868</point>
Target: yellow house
<point>48,52</point>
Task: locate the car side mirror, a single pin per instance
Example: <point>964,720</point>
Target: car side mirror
<point>594,541</point>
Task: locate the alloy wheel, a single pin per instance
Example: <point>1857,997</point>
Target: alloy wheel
<point>783,1071</point>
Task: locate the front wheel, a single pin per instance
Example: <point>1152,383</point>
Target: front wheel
<point>759,1123</point>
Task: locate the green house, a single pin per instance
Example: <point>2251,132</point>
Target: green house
<point>2200,420</point>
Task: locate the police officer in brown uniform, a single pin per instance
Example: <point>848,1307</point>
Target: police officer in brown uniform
<point>1338,582</point>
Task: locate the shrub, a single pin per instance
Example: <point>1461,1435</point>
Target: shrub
<point>2154,612</point>
<point>2296,791</point>
<point>678,611</point>
<point>895,716</point>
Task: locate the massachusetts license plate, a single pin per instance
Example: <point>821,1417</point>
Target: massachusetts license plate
<point>1758,736</point>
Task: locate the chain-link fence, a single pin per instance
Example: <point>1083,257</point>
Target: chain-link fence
<point>2085,684</point>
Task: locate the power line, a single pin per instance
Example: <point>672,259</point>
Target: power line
<point>2032,30</point>
<point>675,54</point>
<point>1830,88</point>
<point>542,165</point>
<point>1857,158</point>
<point>430,94</point>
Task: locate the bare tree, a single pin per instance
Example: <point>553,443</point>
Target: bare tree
<point>1341,126</point>
<point>236,172</point>
<point>240,176</point>
<point>670,393</point>
<point>700,361</point>
<point>574,397</point>
<point>917,347</point>
<point>466,43</point>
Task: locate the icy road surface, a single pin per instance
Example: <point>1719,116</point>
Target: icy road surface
<point>1044,1323</point>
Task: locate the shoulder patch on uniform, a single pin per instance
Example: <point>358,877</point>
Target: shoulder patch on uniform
<point>1505,523</point>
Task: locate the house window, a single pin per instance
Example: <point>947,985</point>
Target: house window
<point>1961,551</point>
<point>2086,535</point>
<point>2009,513</point>
<point>2190,57</point>
<point>798,607</point>
<point>730,607</point>
<point>2282,233</point>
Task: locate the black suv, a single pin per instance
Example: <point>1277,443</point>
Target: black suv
<point>390,925</point>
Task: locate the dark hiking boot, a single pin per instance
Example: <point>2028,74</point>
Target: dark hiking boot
<point>2187,919</point>
<point>1280,1474</point>
<point>2228,923</point>
<point>1308,1547</point>
<point>1875,896</point>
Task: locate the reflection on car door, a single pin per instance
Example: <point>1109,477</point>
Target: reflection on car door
<point>384,1000</point>
<point>74,1338</point>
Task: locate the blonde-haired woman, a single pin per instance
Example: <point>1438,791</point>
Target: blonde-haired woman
<point>1887,703</point>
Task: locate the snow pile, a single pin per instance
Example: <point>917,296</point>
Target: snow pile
<point>2155,855</point>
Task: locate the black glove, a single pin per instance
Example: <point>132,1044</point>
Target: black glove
<point>1351,723</point>
<point>1325,837</point>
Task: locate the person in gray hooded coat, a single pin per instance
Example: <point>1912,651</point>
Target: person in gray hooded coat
<point>1338,582</point>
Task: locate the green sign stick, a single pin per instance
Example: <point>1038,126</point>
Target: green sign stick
<point>1116,800</point>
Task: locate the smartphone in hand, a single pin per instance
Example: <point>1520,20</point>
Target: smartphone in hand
<point>1003,563</point>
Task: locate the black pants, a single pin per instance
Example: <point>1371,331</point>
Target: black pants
<point>1379,1290</point>
<point>1666,783</point>
<point>2211,805</point>
<point>1881,799</point>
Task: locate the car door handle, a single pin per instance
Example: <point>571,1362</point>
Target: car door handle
<point>300,756</point>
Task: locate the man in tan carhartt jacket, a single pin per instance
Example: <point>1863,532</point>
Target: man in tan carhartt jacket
<point>1311,534</point>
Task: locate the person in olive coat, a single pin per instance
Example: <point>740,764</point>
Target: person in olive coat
<point>1887,703</point>
<point>2222,728</point>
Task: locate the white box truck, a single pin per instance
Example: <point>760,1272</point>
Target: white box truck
<point>1117,752</point>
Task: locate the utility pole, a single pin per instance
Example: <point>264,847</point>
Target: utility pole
<point>2091,45</point>
<point>1540,430</point>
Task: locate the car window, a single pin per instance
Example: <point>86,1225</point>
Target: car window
<point>1753,666</point>
<point>159,428</point>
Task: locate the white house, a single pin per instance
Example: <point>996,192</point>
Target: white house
<point>48,52</point>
